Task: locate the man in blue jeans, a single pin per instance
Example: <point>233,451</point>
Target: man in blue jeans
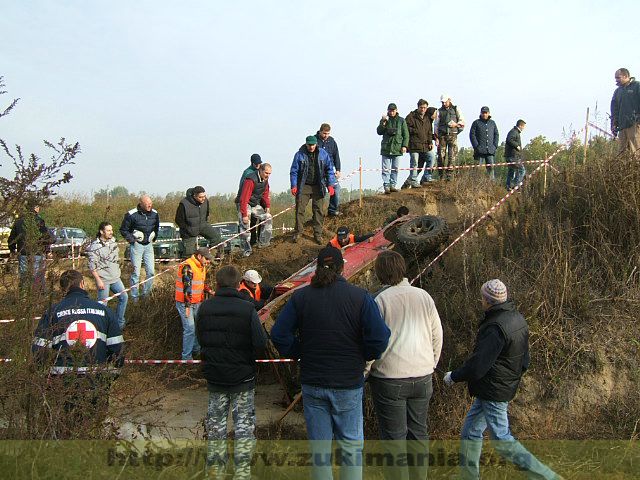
<point>493,372</point>
<point>513,154</point>
<point>140,227</point>
<point>104,265</point>
<point>334,328</point>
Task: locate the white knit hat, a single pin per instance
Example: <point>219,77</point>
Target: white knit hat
<point>252,276</point>
<point>494,292</point>
<point>444,97</point>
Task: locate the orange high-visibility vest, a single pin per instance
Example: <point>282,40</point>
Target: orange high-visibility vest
<point>334,241</point>
<point>197,282</point>
<point>258,293</point>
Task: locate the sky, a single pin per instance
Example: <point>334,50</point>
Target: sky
<point>164,95</point>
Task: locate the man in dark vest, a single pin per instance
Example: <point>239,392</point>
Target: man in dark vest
<point>192,216</point>
<point>254,202</point>
<point>231,338</point>
<point>255,160</point>
<point>493,372</point>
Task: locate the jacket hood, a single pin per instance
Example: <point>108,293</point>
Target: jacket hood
<point>189,197</point>
<point>507,306</point>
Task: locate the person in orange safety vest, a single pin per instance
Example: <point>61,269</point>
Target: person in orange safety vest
<point>252,289</point>
<point>343,238</point>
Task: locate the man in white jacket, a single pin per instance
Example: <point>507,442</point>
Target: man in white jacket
<point>401,379</point>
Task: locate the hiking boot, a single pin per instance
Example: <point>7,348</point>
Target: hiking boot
<point>405,185</point>
<point>415,185</point>
<point>246,253</point>
<point>387,191</point>
<point>264,245</point>
<point>335,214</point>
<point>393,189</point>
<point>294,239</point>
<point>318,239</point>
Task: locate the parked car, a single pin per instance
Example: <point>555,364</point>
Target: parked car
<point>64,237</point>
<point>228,230</point>
<point>167,245</point>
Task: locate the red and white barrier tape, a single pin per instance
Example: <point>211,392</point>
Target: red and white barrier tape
<point>487,213</point>
<point>601,130</point>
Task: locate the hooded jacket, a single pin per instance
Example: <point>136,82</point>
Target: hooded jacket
<point>191,216</point>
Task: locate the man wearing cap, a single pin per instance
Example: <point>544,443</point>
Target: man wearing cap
<point>192,216</point>
<point>395,140</point>
<point>252,289</point>
<point>447,126</point>
<point>190,290</point>
<point>311,176</point>
<point>345,238</point>
<point>493,372</point>
<point>484,140</point>
<point>256,161</point>
<point>420,142</point>
<point>328,143</point>
<point>334,327</point>
<point>254,202</point>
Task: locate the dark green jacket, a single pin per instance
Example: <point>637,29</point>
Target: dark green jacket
<point>395,135</point>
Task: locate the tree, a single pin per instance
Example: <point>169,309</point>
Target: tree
<point>35,180</point>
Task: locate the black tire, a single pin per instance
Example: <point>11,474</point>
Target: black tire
<point>423,235</point>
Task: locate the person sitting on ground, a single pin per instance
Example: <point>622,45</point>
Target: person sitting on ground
<point>344,238</point>
<point>252,289</point>
<point>401,212</point>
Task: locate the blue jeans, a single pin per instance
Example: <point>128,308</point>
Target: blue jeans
<point>515,173</point>
<point>190,343</point>
<point>489,161</point>
<point>334,413</point>
<point>416,162</point>
<point>485,414</point>
<point>39,270</point>
<point>429,162</point>
<point>335,200</point>
<point>390,170</point>
<point>141,254</point>
<point>116,287</point>
<point>402,407</point>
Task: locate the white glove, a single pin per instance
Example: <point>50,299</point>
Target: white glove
<point>448,381</point>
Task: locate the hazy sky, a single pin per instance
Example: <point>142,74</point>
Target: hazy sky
<point>166,95</point>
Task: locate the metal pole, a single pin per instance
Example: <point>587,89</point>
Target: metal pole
<point>586,135</point>
<point>360,160</point>
<point>73,258</point>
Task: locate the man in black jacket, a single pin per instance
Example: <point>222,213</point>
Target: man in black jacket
<point>231,338</point>
<point>513,154</point>
<point>625,112</point>
<point>192,216</point>
<point>493,372</point>
<point>31,240</point>
<point>485,139</point>
<point>420,127</point>
<point>140,227</point>
<point>326,141</point>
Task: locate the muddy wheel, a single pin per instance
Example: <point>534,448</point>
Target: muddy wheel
<point>422,235</point>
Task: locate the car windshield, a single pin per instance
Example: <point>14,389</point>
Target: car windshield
<point>75,233</point>
<point>166,232</point>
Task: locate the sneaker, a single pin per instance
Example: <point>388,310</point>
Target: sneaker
<point>335,214</point>
<point>405,185</point>
<point>387,191</point>
<point>294,239</point>
<point>246,253</point>
<point>318,239</point>
<point>415,185</point>
<point>393,188</point>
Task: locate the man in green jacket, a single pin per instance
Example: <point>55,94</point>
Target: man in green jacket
<point>395,140</point>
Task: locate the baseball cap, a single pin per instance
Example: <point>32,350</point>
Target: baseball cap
<point>343,231</point>
<point>330,256</point>
<point>484,110</point>
<point>204,251</point>
<point>392,106</point>
<point>252,276</point>
<point>311,140</point>
<point>444,97</point>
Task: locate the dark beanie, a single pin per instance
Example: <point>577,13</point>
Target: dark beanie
<point>255,159</point>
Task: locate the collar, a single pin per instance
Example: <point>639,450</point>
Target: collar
<point>227,292</point>
<point>77,291</point>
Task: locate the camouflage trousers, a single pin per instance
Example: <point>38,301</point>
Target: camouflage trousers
<point>244,419</point>
<point>447,154</point>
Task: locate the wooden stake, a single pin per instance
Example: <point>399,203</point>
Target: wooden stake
<point>544,188</point>
<point>360,160</point>
<point>586,136</point>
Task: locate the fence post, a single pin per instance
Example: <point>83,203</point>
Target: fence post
<point>586,136</point>
<point>73,258</point>
<point>546,164</point>
<point>360,168</point>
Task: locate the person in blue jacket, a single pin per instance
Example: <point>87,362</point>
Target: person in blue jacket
<point>485,139</point>
<point>334,328</point>
<point>311,176</point>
